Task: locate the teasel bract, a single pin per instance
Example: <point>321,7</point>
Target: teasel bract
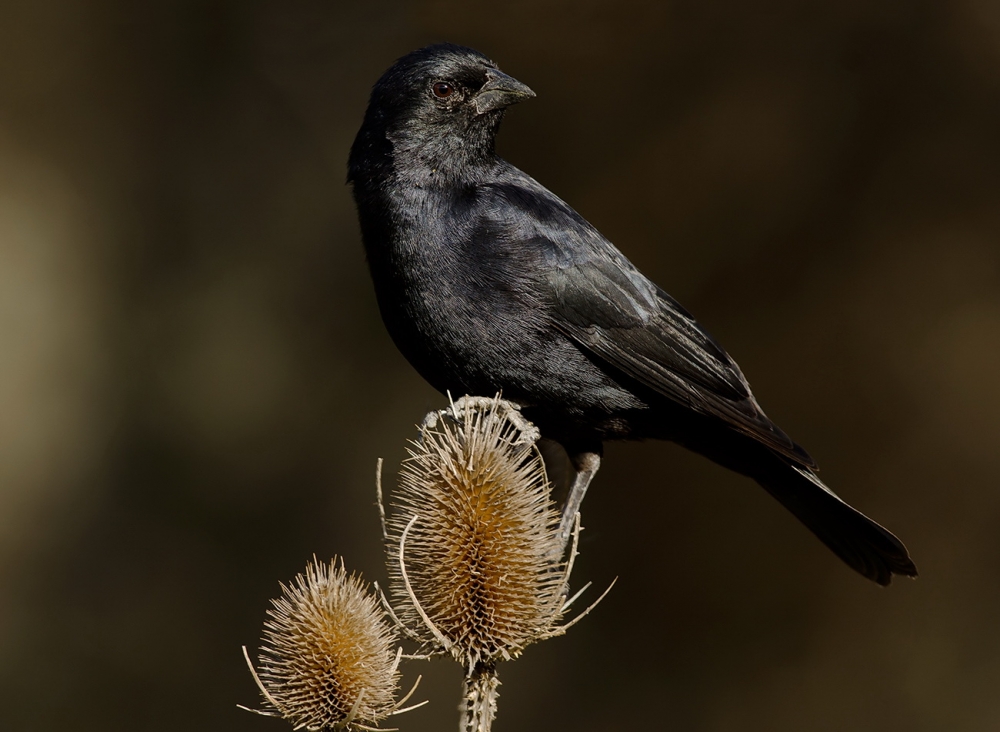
<point>328,659</point>
<point>476,562</point>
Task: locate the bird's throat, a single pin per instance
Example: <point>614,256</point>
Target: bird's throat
<point>447,157</point>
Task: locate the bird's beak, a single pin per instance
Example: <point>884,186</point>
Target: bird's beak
<point>500,91</point>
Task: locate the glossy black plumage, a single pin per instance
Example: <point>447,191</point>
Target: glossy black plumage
<point>488,282</point>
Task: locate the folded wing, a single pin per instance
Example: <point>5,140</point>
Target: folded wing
<point>607,307</point>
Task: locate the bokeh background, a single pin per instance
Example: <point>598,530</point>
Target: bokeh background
<point>195,383</point>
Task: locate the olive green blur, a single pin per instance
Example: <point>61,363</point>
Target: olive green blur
<point>195,383</point>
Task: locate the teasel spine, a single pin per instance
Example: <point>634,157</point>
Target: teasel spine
<point>326,660</point>
<point>474,550</point>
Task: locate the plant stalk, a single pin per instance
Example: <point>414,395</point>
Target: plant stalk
<point>479,699</point>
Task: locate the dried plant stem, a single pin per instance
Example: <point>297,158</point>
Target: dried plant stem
<point>479,698</point>
<point>478,567</point>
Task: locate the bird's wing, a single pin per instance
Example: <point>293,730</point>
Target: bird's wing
<point>601,301</point>
<point>625,319</point>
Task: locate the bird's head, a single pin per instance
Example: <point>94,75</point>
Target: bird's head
<point>436,108</point>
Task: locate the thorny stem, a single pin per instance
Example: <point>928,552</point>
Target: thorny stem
<point>479,698</point>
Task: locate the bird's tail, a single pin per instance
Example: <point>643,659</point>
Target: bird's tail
<point>864,545</point>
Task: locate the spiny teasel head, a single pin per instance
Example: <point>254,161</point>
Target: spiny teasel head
<point>328,658</point>
<point>475,557</point>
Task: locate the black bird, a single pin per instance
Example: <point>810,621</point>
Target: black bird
<point>488,282</point>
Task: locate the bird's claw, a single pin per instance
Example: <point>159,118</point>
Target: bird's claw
<point>528,434</point>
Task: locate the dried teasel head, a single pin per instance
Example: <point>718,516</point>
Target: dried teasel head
<point>475,558</point>
<point>328,658</point>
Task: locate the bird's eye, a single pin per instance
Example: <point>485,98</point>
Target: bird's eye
<point>443,90</point>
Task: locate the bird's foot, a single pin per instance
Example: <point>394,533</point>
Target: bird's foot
<point>528,433</point>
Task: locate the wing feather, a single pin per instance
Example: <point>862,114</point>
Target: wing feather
<point>596,297</point>
<point>611,310</point>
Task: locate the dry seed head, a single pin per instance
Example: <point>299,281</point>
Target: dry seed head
<point>328,653</point>
<point>481,553</point>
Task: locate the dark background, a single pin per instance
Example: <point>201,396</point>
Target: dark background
<point>195,383</point>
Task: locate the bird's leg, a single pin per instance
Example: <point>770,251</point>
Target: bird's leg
<point>585,465</point>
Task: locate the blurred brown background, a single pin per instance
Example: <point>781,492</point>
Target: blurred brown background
<point>195,383</point>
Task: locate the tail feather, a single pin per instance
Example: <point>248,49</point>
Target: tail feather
<point>864,545</point>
